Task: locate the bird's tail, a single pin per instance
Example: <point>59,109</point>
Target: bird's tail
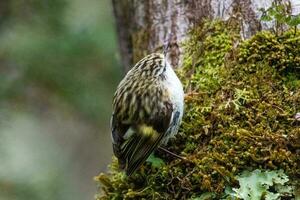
<point>139,147</point>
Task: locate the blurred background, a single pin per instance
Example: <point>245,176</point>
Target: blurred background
<point>58,71</point>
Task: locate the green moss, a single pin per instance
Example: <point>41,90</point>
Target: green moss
<point>241,99</point>
<point>281,52</point>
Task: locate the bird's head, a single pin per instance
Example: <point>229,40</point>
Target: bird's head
<point>152,65</point>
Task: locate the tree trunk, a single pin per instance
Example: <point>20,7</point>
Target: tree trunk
<point>143,26</point>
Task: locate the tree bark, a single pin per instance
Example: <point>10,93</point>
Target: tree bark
<point>143,26</point>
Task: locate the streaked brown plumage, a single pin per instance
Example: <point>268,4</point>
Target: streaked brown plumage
<point>147,110</point>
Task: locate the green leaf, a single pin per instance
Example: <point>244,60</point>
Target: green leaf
<point>229,193</point>
<point>280,18</point>
<point>294,20</point>
<point>255,185</point>
<point>265,17</point>
<point>271,11</point>
<point>156,162</point>
<point>272,196</point>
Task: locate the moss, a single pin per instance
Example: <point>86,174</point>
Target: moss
<point>241,99</point>
<point>281,52</point>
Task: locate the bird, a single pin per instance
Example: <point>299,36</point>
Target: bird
<point>147,110</point>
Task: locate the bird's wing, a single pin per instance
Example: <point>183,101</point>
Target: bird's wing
<point>134,142</point>
<point>118,131</point>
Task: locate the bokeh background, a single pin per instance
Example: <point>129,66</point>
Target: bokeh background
<point>58,70</point>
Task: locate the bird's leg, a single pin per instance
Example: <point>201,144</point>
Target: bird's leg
<point>171,153</point>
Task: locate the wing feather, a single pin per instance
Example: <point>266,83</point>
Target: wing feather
<point>132,152</point>
<point>142,151</point>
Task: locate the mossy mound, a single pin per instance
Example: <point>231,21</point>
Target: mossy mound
<point>241,102</point>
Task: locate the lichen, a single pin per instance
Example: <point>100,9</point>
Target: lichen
<point>241,99</point>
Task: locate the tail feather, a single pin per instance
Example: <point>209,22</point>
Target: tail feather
<point>139,147</point>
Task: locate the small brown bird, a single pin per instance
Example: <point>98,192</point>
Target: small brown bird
<point>147,111</point>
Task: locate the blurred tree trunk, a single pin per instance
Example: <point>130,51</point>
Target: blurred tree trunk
<point>143,26</point>
<point>4,11</point>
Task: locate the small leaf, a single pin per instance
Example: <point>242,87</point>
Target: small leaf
<point>265,17</point>
<point>271,11</point>
<point>279,17</point>
<point>156,162</point>
<point>294,20</point>
<point>272,196</point>
<point>256,184</point>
